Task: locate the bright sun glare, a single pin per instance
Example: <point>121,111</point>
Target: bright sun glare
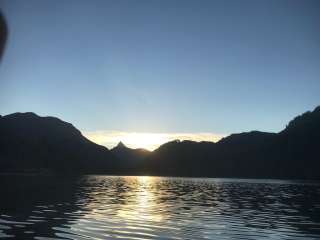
<point>148,141</point>
<point>144,140</point>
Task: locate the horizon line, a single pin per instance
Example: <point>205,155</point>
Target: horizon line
<point>147,140</point>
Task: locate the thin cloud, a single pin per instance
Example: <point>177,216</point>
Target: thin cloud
<point>149,141</point>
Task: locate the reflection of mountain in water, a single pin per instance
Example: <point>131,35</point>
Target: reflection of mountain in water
<point>147,207</point>
<point>32,206</point>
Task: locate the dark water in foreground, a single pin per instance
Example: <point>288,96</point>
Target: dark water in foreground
<point>104,207</point>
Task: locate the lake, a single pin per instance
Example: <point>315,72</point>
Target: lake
<point>111,207</point>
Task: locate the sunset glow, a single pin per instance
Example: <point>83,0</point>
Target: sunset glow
<point>148,141</point>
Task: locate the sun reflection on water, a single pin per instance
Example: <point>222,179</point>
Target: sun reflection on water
<point>113,207</point>
<point>128,199</point>
<point>141,203</point>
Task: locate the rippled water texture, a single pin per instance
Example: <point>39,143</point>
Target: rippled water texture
<point>104,207</point>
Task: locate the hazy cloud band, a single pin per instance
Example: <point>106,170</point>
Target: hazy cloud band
<point>145,140</point>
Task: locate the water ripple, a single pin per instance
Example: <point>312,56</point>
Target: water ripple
<point>105,207</point>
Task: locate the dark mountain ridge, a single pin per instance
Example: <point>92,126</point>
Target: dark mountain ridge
<point>134,154</point>
<point>131,159</point>
<point>30,141</point>
<point>291,153</point>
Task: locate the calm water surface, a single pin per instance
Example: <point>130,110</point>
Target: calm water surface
<point>105,207</point>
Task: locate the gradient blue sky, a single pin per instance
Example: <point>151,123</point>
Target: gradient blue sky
<point>163,66</point>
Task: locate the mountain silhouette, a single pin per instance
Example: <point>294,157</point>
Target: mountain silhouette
<point>125,153</point>
<point>291,153</point>
<point>28,141</point>
<point>130,159</point>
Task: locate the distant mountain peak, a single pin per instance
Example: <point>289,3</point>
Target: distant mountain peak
<point>121,145</point>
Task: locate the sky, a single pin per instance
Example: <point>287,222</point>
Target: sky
<point>132,70</point>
